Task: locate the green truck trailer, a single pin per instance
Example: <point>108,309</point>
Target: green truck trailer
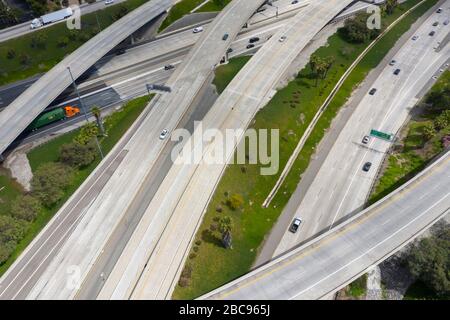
<point>52,116</point>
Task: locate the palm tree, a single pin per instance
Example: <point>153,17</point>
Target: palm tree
<point>98,117</point>
<point>225,227</point>
<point>329,61</point>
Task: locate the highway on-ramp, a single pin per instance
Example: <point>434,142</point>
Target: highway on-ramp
<point>118,201</point>
<point>339,256</point>
<point>341,187</point>
<point>150,264</point>
<point>19,114</point>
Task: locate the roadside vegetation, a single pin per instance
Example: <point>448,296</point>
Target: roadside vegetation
<point>39,51</point>
<point>423,138</point>
<point>59,167</point>
<point>426,135</point>
<point>356,290</point>
<point>290,111</point>
<point>427,260</point>
<point>184,7</point>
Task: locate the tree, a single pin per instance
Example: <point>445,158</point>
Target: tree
<point>97,112</point>
<point>39,40</point>
<point>11,232</point>
<point>355,30</point>
<point>225,227</point>
<point>25,207</point>
<point>390,6</point>
<point>329,61</point>
<point>235,201</point>
<point>123,11</point>
<point>429,131</point>
<point>439,99</point>
<point>11,53</point>
<point>78,155</point>
<point>24,59</point>
<point>63,41</point>
<point>320,66</point>
<point>429,260</point>
<point>49,182</point>
<point>313,62</point>
<point>87,133</point>
<point>11,229</point>
<point>440,122</point>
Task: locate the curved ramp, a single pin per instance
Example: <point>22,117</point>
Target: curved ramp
<point>20,113</point>
<point>186,191</point>
<point>341,255</point>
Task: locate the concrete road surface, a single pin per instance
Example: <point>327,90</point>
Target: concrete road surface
<point>339,256</point>
<point>185,191</point>
<point>124,190</point>
<point>341,187</point>
<point>19,114</point>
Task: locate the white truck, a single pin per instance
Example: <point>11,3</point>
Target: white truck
<point>51,17</point>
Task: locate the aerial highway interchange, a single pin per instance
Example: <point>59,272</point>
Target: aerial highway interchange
<point>128,229</point>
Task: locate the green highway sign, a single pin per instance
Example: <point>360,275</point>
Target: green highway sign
<point>381,135</point>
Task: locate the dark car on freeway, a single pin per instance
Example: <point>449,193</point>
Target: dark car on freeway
<point>367,166</point>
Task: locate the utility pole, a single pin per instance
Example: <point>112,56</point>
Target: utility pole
<point>84,110</point>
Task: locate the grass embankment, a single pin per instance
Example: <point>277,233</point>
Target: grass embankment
<point>116,125</point>
<point>184,7</point>
<point>290,111</point>
<point>29,60</point>
<point>225,73</point>
<point>414,151</point>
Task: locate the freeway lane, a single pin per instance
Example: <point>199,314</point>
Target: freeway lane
<point>103,215</point>
<point>334,259</point>
<point>340,187</point>
<point>185,192</point>
<point>19,114</point>
<point>24,28</point>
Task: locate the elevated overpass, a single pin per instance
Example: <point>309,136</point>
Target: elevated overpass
<point>91,229</point>
<point>186,190</point>
<point>344,253</point>
<point>20,113</point>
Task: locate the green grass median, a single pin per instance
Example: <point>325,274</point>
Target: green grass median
<point>184,7</point>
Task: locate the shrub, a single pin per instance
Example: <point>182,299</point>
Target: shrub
<point>49,182</point>
<point>63,42</point>
<point>78,155</point>
<point>25,207</point>
<point>10,53</point>
<point>235,202</point>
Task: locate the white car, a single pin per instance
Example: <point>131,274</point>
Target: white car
<point>282,38</point>
<point>366,140</point>
<point>163,134</point>
<point>109,1</point>
<point>197,30</point>
<point>295,225</point>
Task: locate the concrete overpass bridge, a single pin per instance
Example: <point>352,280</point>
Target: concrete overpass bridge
<point>21,112</point>
<point>339,256</point>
